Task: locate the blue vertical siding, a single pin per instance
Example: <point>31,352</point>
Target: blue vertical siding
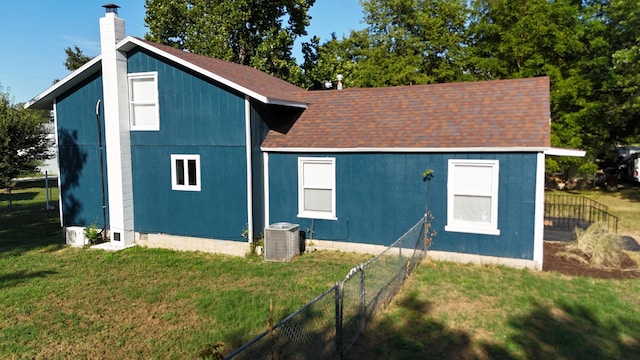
<point>380,196</point>
<point>78,152</point>
<point>196,117</point>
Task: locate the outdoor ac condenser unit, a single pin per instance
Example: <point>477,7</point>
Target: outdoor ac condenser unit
<point>75,236</point>
<point>281,241</point>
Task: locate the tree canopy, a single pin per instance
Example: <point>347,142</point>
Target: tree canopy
<point>23,139</point>
<point>75,58</point>
<point>247,32</point>
<point>590,49</point>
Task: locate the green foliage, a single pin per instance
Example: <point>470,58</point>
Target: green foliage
<point>589,49</point>
<point>588,169</point>
<point>240,31</point>
<point>75,58</point>
<point>427,174</point>
<point>551,165</point>
<point>23,139</point>
<point>596,246</point>
<point>405,42</point>
<point>93,234</point>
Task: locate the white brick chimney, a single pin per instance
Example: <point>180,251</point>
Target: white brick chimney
<point>116,119</point>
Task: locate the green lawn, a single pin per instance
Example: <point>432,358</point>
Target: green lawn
<point>60,302</point>
<point>455,311</point>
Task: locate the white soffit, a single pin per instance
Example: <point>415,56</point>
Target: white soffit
<point>565,152</point>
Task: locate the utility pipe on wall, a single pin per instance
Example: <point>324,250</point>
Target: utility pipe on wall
<point>104,206</point>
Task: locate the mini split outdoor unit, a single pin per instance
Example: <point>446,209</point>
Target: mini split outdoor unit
<point>75,236</point>
<point>281,241</point>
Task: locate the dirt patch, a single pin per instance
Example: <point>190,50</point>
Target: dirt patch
<point>554,262</point>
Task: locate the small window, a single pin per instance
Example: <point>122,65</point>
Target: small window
<point>143,101</point>
<point>472,199</point>
<point>316,188</point>
<point>185,172</point>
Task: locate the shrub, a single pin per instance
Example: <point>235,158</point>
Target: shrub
<point>93,234</point>
<point>596,246</point>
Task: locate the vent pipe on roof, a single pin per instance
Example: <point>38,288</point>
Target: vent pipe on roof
<point>111,8</point>
<point>339,77</point>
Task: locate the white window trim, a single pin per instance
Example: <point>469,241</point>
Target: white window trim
<point>470,226</point>
<point>325,215</point>
<point>186,186</point>
<point>144,75</point>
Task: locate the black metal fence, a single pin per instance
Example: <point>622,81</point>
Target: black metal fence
<point>567,212</point>
<point>330,324</point>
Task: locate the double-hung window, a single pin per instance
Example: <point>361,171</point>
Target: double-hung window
<point>472,198</point>
<point>185,172</point>
<point>143,101</point>
<point>317,188</point>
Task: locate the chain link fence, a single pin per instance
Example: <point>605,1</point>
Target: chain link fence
<point>330,324</point>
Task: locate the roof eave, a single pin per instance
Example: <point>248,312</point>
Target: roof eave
<point>565,152</point>
<point>131,42</point>
<point>513,149</point>
<point>44,101</point>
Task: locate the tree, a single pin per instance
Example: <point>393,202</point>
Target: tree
<point>75,58</point>
<point>23,139</point>
<point>322,63</point>
<point>247,32</point>
<point>405,42</point>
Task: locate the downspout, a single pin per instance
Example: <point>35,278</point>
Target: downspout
<point>104,206</point>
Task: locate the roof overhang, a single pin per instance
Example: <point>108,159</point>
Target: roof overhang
<point>565,152</point>
<point>129,43</point>
<point>406,150</point>
<point>45,100</point>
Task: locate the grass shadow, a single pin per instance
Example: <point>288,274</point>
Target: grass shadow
<point>13,279</point>
<point>22,196</point>
<point>412,335</point>
<point>630,192</point>
<point>563,331</point>
<point>571,331</point>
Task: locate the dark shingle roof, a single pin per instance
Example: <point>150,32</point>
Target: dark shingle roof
<point>247,77</point>
<point>486,114</point>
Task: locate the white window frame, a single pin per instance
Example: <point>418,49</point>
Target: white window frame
<point>330,185</point>
<point>185,169</point>
<point>477,227</point>
<point>133,102</point>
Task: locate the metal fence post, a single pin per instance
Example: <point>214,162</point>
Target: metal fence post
<point>338,297</point>
<point>400,256</point>
<point>362,309</point>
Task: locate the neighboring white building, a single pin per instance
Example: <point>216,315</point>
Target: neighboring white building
<point>51,165</point>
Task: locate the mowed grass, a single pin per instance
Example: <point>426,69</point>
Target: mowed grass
<point>623,203</point>
<point>455,311</point>
<point>60,302</point>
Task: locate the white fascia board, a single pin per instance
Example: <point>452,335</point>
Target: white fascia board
<point>287,103</point>
<point>130,42</point>
<point>406,150</point>
<point>565,152</point>
<point>45,99</point>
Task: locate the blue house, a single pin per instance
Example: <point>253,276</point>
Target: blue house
<point>197,150</point>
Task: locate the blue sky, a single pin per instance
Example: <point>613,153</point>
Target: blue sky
<point>36,32</point>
